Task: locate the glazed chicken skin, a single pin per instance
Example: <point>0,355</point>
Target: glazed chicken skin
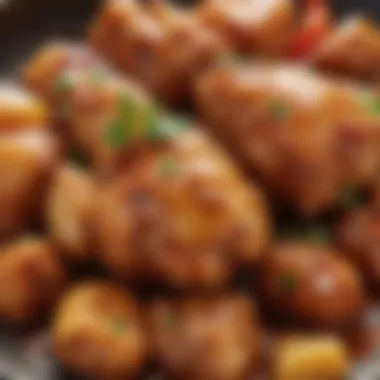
<point>28,154</point>
<point>285,123</point>
<point>90,98</point>
<point>215,338</point>
<point>163,48</point>
<point>68,212</point>
<point>358,235</point>
<point>260,27</point>
<point>182,215</point>
<point>312,285</point>
<point>31,280</point>
<point>351,49</point>
<point>98,332</point>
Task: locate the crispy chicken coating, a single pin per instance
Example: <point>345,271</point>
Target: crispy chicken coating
<point>183,214</point>
<point>307,137</point>
<point>164,48</point>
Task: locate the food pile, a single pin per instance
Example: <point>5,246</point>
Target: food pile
<point>194,193</point>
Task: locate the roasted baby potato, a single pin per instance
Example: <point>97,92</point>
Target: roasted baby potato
<point>359,238</point>
<point>312,285</point>
<point>164,48</point>
<point>207,338</point>
<point>31,280</point>
<point>311,357</point>
<point>20,109</point>
<point>68,211</point>
<point>98,332</point>
<point>182,215</point>
<point>284,122</point>
<point>254,26</point>
<point>352,49</point>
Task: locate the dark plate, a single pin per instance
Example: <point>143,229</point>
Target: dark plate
<point>24,26</point>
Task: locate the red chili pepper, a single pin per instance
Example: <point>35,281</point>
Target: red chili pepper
<point>316,23</point>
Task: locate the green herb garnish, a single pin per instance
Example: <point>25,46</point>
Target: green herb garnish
<point>314,233</point>
<point>64,83</point>
<point>118,132</point>
<point>169,167</point>
<point>97,75</point>
<point>172,319</point>
<point>166,127</point>
<point>373,104</point>
<point>278,110</point>
<point>227,60</point>
<point>350,198</point>
<point>118,326</point>
<point>287,283</point>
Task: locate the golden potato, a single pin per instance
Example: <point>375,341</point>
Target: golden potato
<point>20,109</point>
<point>68,212</point>
<point>98,332</point>
<point>164,48</point>
<point>27,158</point>
<point>182,214</point>
<point>207,338</point>
<point>312,285</point>
<point>284,122</point>
<point>255,26</point>
<point>352,49</point>
<point>31,279</point>
<point>311,357</point>
<point>358,236</point>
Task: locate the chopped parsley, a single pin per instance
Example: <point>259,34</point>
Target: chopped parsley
<point>227,60</point>
<point>314,233</point>
<point>119,128</point>
<point>373,104</point>
<point>64,83</point>
<point>287,283</point>
<point>118,326</point>
<point>169,167</point>
<point>350,198</point>
<point>172,318</point>
<point>278,110</point>
<point>166,127</point>
<point>97,75</point>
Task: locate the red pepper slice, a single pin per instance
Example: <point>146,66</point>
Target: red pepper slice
<point>316,23</point>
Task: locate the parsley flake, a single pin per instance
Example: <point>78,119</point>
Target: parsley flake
<point>169,167</point>
<point>118,326</point>
<point>287,283</point>
<point>166,127</point>
<point>64,83</point>
<point>119,128</point>
<point>278,110</point>
<point>97,75</point>
<point>172,318</point>
<point>373,104</point>
<point>350,198</point>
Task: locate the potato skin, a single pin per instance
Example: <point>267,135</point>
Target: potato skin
<point>293,136</point>
<point>68,212</point>
<point>182,215</point>
<point>98,332</point>
<point>254,26</point>
<point>358,236</point>
<point>352,49</point>
<point>164,48</point>
<point>31,280</point>
<point>207,338</point>
<point>312,285</point>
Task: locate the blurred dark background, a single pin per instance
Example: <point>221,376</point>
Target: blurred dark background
<point>24,24</point>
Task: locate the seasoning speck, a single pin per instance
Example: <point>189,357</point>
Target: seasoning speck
<point>287,283</point>
<point>169,167</point>
<point>64,83</point>
<point>118,326</point>
<point>278,110</point>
